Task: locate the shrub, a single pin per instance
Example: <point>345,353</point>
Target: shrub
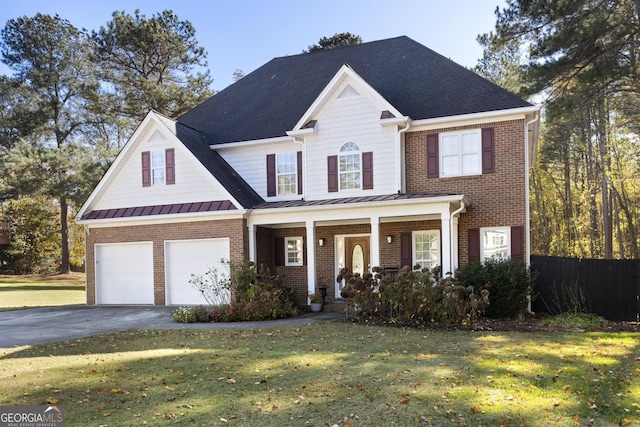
<point>576,320</point>
<point>184,315</point>
<point>509,281</point>
<point>416,297</point>
<point>259,294</point>
<point>202,313</point>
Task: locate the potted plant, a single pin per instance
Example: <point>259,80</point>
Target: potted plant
<point>316,301</point>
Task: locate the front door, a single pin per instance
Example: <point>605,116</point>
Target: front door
<point>357,254</point>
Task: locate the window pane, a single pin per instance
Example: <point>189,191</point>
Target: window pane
<point>449,145</point>
<point>157,159</point>
<point>286,172</point>
<point>426,249</point>
<point>294,251</point>
<point>470,143</point>
<point>495,243</point>
<point>470,163</point>
<point>450,165</point>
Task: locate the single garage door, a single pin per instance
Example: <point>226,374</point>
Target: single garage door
<point>186,257</point>
<point>124,273</point>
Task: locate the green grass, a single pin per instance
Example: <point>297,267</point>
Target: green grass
<point>327,374</point>
<point>41,291</point>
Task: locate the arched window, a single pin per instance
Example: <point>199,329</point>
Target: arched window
<point>350,167</point>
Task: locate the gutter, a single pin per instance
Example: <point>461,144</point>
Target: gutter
<point>451,230</point>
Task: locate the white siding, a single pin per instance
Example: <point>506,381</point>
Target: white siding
<point>353,119</point>
<point>193,183</point>
<point>251,163</point>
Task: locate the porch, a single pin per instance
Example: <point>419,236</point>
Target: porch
<point>311,241</point>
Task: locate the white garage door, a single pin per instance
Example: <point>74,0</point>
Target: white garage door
<point>124,273</point>
<point>186,257</point>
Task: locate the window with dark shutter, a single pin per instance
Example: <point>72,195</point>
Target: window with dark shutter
<point>299,160</point>
<point>432,156</point>
<point>488,155</point>
<point>278,251</point>
<point>170,165</point>
<point>367,170</point>
<point>517,243</point>
<point>473,244</point>
<point>332,174</point>
<point>271,175</point>
<point>146,169</point>
<point>406,254</point>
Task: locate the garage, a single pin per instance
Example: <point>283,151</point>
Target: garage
<point>186,257</point>
<point>124,273</point>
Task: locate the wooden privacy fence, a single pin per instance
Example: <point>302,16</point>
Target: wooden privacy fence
<point>611,288</point>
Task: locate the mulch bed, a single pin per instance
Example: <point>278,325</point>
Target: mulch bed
<point>537,324</point>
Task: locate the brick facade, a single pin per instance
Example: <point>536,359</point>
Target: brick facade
<point>235,230</point>
<point>496,199</point>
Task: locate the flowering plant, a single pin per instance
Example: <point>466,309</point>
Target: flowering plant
<point>316,297</point>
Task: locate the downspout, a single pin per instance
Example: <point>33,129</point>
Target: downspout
<point>399,156</point>
<point>451,230</point>
<point>527,214</point>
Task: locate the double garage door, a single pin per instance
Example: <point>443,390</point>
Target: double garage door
<point>124,271</point>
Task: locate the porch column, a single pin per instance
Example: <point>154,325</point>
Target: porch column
<point>252,242</point>
<point>454,244</point>
<point>375,242</point>
<point>447,239</point>
<point>311,257</point>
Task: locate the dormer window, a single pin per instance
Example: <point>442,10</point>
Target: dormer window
<point>350,167</point>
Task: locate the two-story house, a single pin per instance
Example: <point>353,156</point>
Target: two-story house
<point>381,154</point>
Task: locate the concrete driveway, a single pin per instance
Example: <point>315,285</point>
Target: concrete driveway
<point>42,325</point>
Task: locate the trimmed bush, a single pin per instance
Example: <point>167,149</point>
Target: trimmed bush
<point>510,283</point>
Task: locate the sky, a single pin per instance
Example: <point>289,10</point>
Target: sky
<point>245,34</point>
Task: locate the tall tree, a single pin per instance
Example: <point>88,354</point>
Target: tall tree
<point>151,63</point>
<point>337,40</point>
<point>50,86</point>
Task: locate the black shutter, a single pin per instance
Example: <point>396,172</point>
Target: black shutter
<point>517,243</point>
<point>473,244</point>
<point>406,253</point>
<point>433,160</point>
<point>332,174</point>
<point>271,175</point>
<point>278,251</point>
<point>146,169</point>
<point>367,170</point>
<point>488,155</point>
<point>299,158</point>
<point>170,165</point>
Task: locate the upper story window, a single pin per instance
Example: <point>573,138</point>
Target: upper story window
<point>460,153</point>
<point>158,167</point>
<point>286,173</point>
<point>350,167</point>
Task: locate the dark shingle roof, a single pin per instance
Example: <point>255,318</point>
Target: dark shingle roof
<point>419,82</point>
<point>218,167</point>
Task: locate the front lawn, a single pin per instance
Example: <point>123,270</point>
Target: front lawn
<point>41,291</point>
<point>327,374</point>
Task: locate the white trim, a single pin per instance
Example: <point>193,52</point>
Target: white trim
<point>236,144</point>
<point>473,119</point>
<point>134,141</point>
<point>162,219</point>
<point>501,229</point>
<point>460,153</point>
<point>361,85</point>
<point>299,249</point>
<point>436,233</point>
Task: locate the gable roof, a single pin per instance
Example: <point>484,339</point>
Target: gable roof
<point>419,82</point>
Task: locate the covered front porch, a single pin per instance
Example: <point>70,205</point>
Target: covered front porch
<point>311,241</point>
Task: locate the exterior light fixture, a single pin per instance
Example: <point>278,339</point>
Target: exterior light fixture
<point>321,242</point>
<point>389,238</point>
